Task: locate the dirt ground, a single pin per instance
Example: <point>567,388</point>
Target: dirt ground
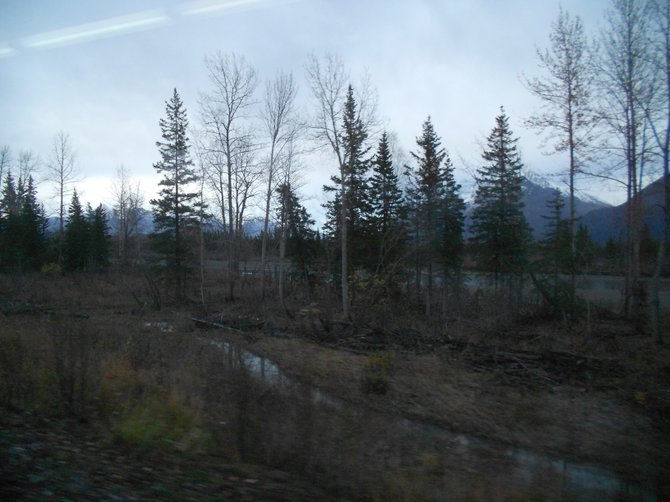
<point>59,459</point>
<point>595,392</point>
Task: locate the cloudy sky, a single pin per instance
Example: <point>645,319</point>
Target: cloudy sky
<point>101,71</point>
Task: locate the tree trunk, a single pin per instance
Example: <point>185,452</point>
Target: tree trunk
<point>266,222</point>
<point>282,256</point>
<point>345,257</point>
<point>429,288</point>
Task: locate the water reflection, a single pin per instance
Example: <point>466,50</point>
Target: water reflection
<point>404,439</point>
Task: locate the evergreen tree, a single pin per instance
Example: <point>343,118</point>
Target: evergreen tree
<point>99,239</point>
<point>76,239</point>
<point>387,210</point>
<point>22,225</point>
<point>11,203</point>
<point>175,210</point>
<point>32,228</point>
<point>436,208</point>
<point>453,222</point>
<point>556,245</point>
<point>500,232</point>
<point>9,223</point>
<point>296,223</point>
<point>350,204</point>
<point>586,248</point>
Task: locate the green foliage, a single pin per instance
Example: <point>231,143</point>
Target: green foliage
<point>22,226</point>
<point>353,182</point>
<point>51,269</point>
<point>301,245</point>
<point>555,246</point>
<point>160,421</point>
<point>500,233</point>
<point>377,371</point>
<point>176,209</point>
<point>386,218</point>
<point>77,237</point>
<point>436,208</point>
<point>585,249</point>
<point>98,239</point>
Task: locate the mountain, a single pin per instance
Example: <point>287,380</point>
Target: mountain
<point>144,226</point>
<point>536,198</point>
<point>537,193</point>
<point>610,221</point>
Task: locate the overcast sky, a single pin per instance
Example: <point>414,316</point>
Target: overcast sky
<point>102,71</point>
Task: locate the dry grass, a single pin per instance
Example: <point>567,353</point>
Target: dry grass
<point>99,351</point>
<point>572,420</point>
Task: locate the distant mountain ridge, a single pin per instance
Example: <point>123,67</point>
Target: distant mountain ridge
<point>610,222</point>
<point>536,199</point>
<point>537,193</point>
<point>602,220</point>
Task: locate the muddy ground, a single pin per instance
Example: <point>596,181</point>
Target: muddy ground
<point>595,392</point>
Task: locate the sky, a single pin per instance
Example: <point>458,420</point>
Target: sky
<point>102,71</point>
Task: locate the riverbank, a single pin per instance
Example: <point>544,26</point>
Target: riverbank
<point>387,406</point>
<point>541,388</point>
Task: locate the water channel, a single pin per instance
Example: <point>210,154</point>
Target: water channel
<point>527,470</point>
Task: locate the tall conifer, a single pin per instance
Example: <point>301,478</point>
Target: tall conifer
<point>500,232</point>
<point>387,209</point>
<point>175,210</point>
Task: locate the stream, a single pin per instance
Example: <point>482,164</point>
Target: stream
<point>410,438</point>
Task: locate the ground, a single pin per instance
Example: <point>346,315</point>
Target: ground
<point>104,397</point>
<point>60,459</point>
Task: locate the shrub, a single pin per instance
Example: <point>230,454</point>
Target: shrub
<point>377,371</point>
<point>51,269</point>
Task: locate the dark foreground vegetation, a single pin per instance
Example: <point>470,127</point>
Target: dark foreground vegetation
<point>104,396</point>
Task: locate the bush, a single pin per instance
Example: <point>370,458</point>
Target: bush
<point>377,371</point>
<point>51,269</point>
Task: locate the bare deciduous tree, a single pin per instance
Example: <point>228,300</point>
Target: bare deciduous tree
<point>627,85</point>
<point>223,111</point>
<point>328,81</point>
<point>5,161</point>
<point>128,200</point>
<point>565,92</point>
<point>289,175</point>
<point>281,128</point>
<point>62,171</point>
<point>27,163</point>
<point>247,176</point>
<point>659,116</point>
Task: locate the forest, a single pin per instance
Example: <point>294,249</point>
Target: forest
<point>415,345</point>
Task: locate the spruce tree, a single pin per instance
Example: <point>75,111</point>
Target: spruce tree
<point>175,210</point>
<point>387,209</point>
<point>436,209</point>
<point>33,228</point>
<point>98,240</point>
<point>296,223</point>
<point>9,223</point>
<point>22,225</point>
<point>347,212</point>
<point>500,232</point>
<point>556,242</point>
<point>453,221</point>
<point>76,239</point>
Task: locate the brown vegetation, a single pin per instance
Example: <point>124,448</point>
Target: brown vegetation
<point>476,387</point>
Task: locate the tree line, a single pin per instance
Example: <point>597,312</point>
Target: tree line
<point>603,104</point>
